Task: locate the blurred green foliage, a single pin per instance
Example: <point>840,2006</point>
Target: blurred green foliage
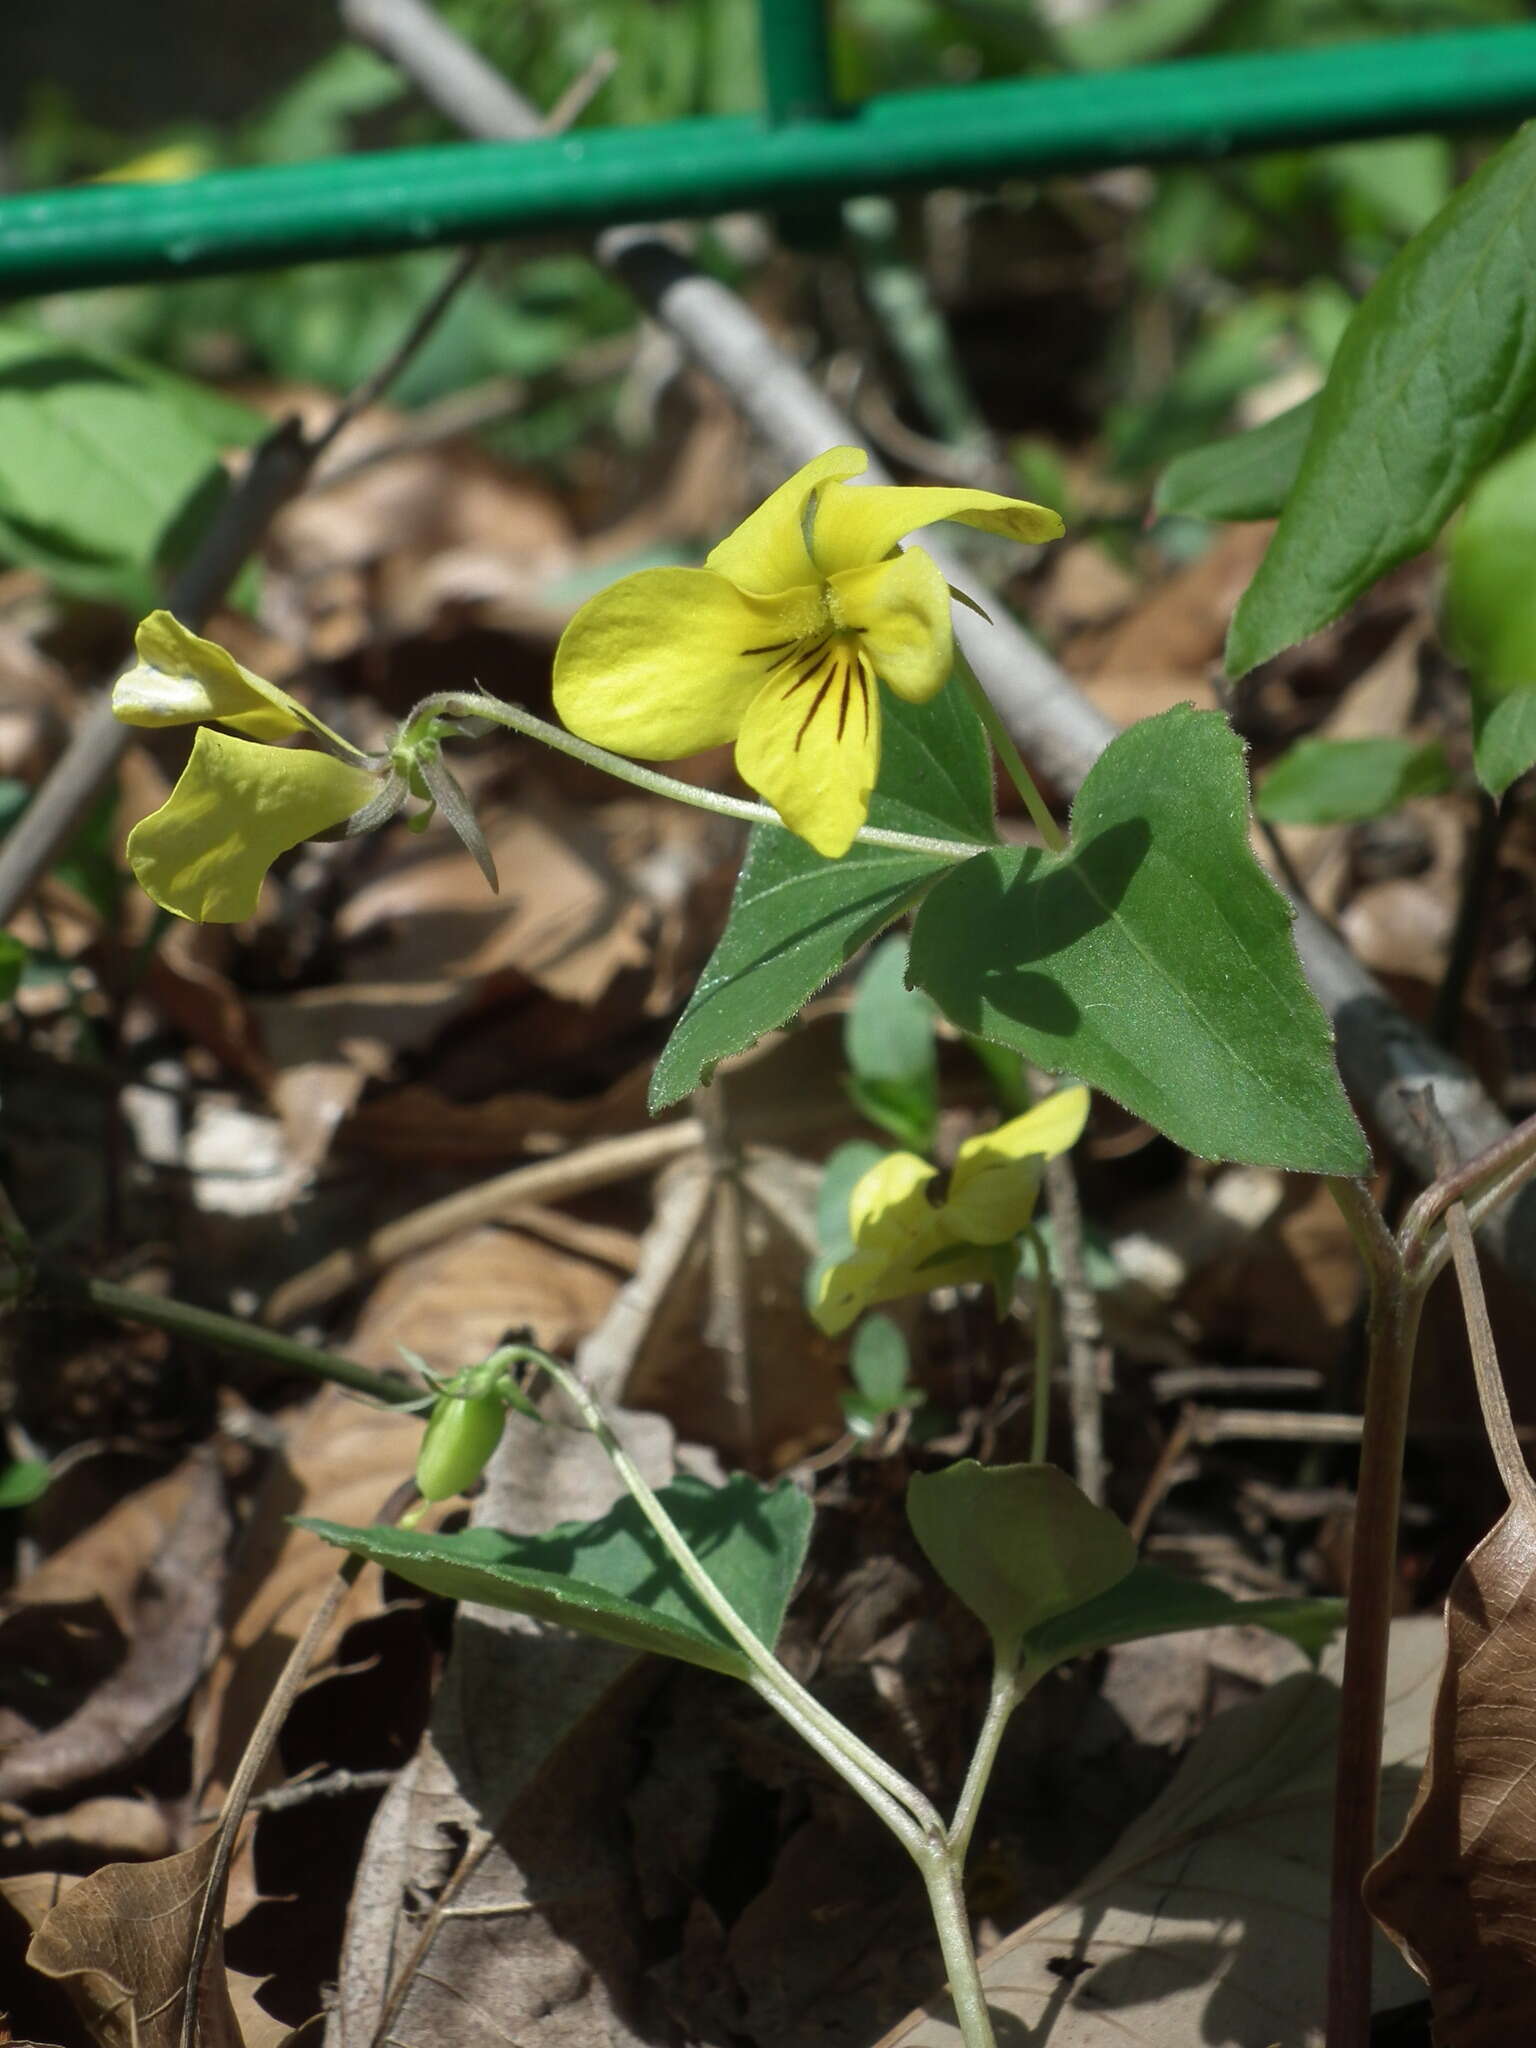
<point>1239,275</point>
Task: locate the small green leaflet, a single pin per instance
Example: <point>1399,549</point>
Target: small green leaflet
<point>1149,1601</point>
<point>1152,960</point>
<point>1339,782</point>
<point>611,1577</point>
<point>797,918</point>
<point>1506,741</point>
<point>24,1482</point>
<point>1246,477</point>
<point>1428,382</point>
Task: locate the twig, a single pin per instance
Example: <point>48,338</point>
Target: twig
<point>574,1173</point>
<point>1081,1328</point>
<point>377,382</point>
<point>1393,1327</point>
<point>257,1750</point>
<point>1503,1439</point>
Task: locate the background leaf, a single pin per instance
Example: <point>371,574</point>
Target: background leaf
<point>889,1041</point>
<point>1338,782</point>
<point>1247,476</point>
<point>1506,742</point>
<point>1017,1543</point>
<point>611,1577</point>
<point>104,467</point>
<point>1427,383</point>
<point>796,918</point>
<point>1153,959</point>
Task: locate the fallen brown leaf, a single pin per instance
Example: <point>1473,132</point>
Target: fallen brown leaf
<point>120,1940</point>
<point>1454,1891</point>
<point>1208,1921</point>
<point>455,1303</point>
<point>174,1620</point>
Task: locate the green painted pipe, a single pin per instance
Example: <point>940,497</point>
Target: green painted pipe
<point>975,134</point>
<point>797,60</point>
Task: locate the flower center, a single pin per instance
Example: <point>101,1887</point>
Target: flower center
<point>826,669</point>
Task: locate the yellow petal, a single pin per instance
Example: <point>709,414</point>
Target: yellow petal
<point>238,805</point>
<point>901,611</point>
<point>667,661</point>
<point>859,523</point>
<point>810,743</point>
<point>767,551</point>
<point>865,1279</point>
<point>180,678</point>
<point>889,1206</point>
<point>996,1177</point>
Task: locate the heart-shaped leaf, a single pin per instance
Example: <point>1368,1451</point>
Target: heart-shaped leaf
<point>611,1577</point>
<point>1153,959</point>
<point>797,918</point>
<point>1018,1544</point>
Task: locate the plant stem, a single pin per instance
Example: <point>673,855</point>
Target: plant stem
<point>228,1333</point>
<point>1011,758</point>
<point>946,1900</point>
<point>1394,1321</point>
<point>1008,1689</point>
<point>1045,1348</point>
<point>515,719</point>
<point>910,1817</point>
<point>904,1809</point>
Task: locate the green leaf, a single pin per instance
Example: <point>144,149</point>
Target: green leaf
<point>888,1035</point>
<point>796,918</point>
<point>1337,782</point>
<point>611,1577</point>
<point>1429,379</point>
<point>1152,1602</point>
<point>1246,477</point>
<point>1153,960</point>
<point>1506,741</point>
<point>1489,605</point>
<point>879,1362</point>
<point>13,961</point>
<point>101,463</point>
<point>844,1169</point>
<point>24,1482</point>
<point>1018,1544</point>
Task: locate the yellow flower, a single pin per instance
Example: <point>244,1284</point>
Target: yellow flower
<point>239,803</point>
<point>913,1230</point>
<point>777,642</point>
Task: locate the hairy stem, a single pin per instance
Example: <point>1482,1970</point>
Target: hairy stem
<point>515,719</point>
<point>1011,758</point>
<point>1008,1689</point>
<point>946,1901</point>
<point>905,1810</point>
<point>226,1333</point>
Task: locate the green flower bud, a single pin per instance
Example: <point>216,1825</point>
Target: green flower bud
<point>461,1435</point>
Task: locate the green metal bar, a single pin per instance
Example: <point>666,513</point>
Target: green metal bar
<point>466,192</point>
<point>797,60</point>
